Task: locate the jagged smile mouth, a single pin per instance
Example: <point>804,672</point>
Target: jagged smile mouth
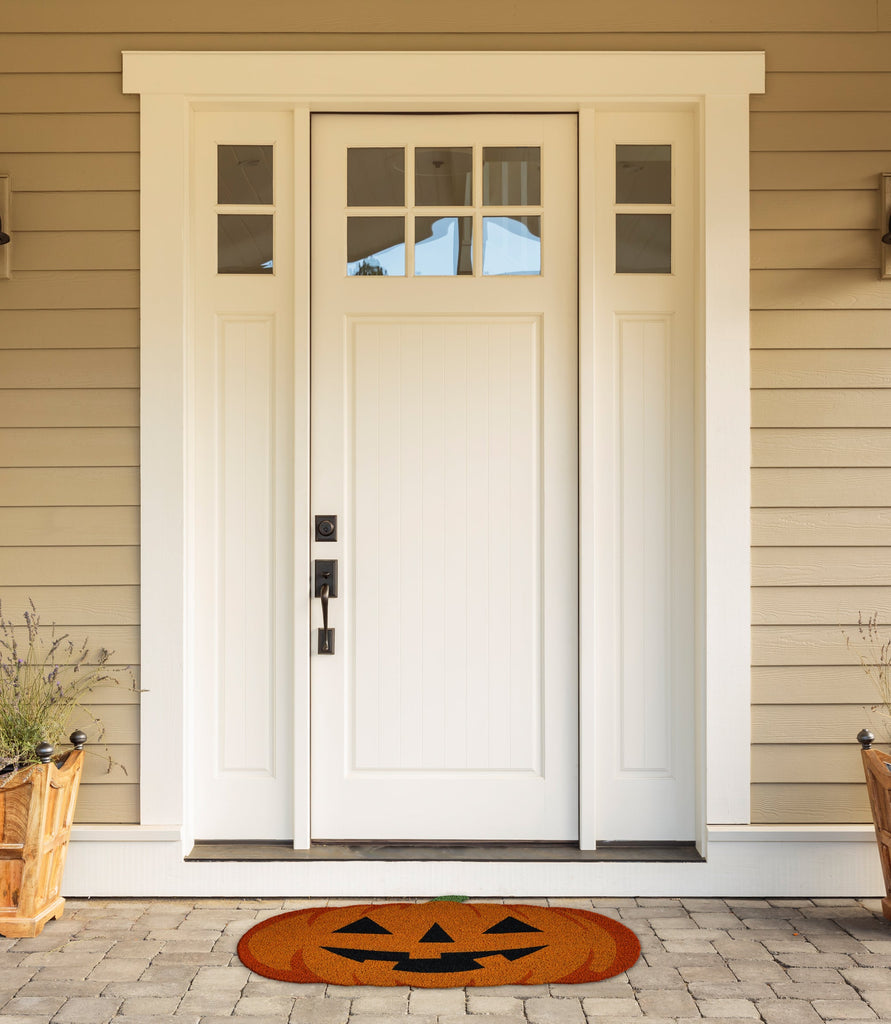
<point>446,963</point>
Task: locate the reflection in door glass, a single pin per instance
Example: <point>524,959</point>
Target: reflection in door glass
<point>443,177</point>
<point>643,174</point>
<point>511,245</point>
<point>375,247</point>
<point>244,175</point>
<point>376,177</point>
<point>244,243</point>
<point>443,246</point>
<point>511,176</point>
<point>643,243</point>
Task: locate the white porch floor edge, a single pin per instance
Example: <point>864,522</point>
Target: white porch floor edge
<point>742,861</point>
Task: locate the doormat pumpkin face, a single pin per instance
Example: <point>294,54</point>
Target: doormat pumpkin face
<point>439,945</point>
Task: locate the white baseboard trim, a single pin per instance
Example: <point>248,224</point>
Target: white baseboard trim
<point>742,862</point>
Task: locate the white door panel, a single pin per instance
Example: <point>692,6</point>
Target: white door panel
<point>444,437</point>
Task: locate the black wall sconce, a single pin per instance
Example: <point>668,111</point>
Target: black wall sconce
<point>885,222</point>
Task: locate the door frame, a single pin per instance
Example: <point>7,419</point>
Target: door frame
<point>174,86</point>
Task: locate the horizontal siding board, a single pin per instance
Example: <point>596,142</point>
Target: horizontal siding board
<point>795,171</point>
<point>70,133</point>
<point>846,210</point>
<point>48,566</point>
<point>792,804</point>
<point>820,566</point>
<point>92,486</point>
<point>77,250</point>
<point>819,289</point>
<point>87,289</point>
<point>828,90</point>
<point>837,328</point>
<point>821,407</point>
<point>814,763</point>
<point>820,723</point>
<point>74,605</point>
<point>821,368</point>
<point>782,527</point>
<point>120,722</point>
<point>70,172</point>
<point>69,328</point>
<point>814,606</point>
<point>122,766</point>
<point>76,211</point>
<point>815,132</point>
<point>805,50</point>
<point>811,684</point>
<point>815,249</point>
<point>116,804</point>
<point>69,446</point>
<point>804,446</point>
<point>41,93</point>
<point>82,368</point>
<point>462,15</point>
<point>819,488</point>
<point>807,645</point>
<point>69,527</point>
<point>70,407</point>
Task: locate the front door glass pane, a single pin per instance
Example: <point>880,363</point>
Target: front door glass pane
<point>375,246</point>
<point>643,243</point>
<point>443,176</point>
<point>643,174</point>
<point>511,176</point>
<point>244,175</point>
<point>376,176</point>
<point>511,245</point>
<point>443,246</point>
<point>244,243</point>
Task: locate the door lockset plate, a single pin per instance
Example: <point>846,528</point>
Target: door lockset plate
<point>325,571</point>
<point>326,528</point>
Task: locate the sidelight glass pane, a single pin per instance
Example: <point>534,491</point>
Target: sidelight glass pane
<point>643,174</point>
<point>443,246</point>
<point>376,177</point>
<point>375,246</point>
<point>244,175</point>
<point>443,177</point>
<point>511,176</point>
<point>244,243</point>
<point>511,245</point>
<point>643,243</point>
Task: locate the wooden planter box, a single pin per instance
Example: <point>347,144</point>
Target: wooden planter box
<point>877,767</point>
<point>36,810</point>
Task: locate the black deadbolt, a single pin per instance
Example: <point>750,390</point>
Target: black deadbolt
<point>326,528</point>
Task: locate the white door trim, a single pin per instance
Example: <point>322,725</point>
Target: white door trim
<point>717,86</point>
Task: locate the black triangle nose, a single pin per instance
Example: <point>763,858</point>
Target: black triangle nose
<point>436,934</point>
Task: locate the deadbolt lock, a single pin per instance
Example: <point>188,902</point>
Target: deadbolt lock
<point>326,528</point>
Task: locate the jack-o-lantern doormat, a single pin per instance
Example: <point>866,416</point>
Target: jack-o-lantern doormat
<point>439,945</point>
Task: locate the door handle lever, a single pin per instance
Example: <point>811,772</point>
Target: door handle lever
<point>325,587</point>
<point>326,636</point>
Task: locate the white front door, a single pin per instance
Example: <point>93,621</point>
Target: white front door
<point>444,439</point>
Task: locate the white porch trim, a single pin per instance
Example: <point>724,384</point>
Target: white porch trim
<point>717,85</point>
<point>760,861</point>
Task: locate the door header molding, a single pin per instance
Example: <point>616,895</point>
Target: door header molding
<point>411,80</point>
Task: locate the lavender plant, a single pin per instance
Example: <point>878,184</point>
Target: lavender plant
<point>44,680</point>
<point>873,651</point>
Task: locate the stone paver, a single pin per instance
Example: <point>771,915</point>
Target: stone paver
<point>703,961</point>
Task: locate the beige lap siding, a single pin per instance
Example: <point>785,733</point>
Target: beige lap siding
<point>821,328</point>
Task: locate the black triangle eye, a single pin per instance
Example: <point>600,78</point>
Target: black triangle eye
<point>436,934</point>
<point>510,924</point>
<point>364,926</point>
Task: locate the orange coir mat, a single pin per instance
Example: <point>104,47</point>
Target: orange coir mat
<point>439,945</point>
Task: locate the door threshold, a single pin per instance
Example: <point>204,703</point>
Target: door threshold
<point>552,853</point>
